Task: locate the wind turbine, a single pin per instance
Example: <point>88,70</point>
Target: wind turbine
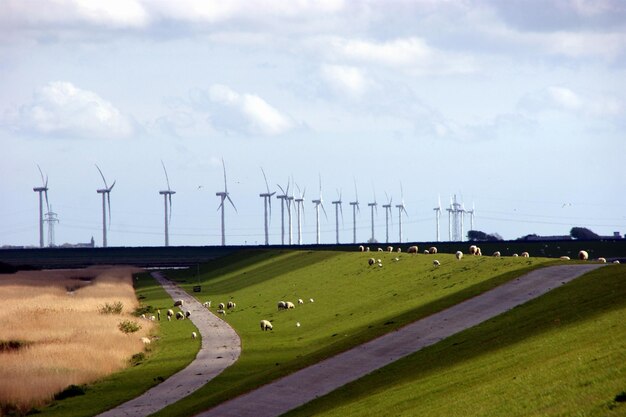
<point>106,195</point>
<point>401,209</point>
<point>388,214</point>
<point>167,200</point>
<point>224,195</point>
<point>43,189</point>
<point>318,203</point>
<point>267,199</point>
<point>471,213</point>
<point>438,214</point>
<point>450,210</point>
<point>355,208</point>
<point>337,204</point>
<point>289,201</point>
<point>373,206</point>
<point>300,208</point>
<point>284,198</point>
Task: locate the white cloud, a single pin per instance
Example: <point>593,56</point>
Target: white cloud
<point>61,109</point>
<point>233,111</point>
<point>563,99</point>
<point>346,79</point>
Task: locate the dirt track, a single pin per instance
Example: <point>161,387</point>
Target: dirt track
<point>305,385</point>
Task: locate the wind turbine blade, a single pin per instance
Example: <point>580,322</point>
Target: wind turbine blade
<point>303,193</point>
<point>220,206</point>
<point>109,204</point>
<point>325,215</point>
<point>270,201</point>
<point>231,202</point>
<point>47,204</point>
<point>170,199</point>
<point>287,191</point>
<point>166,177</point>
<point>401,194</point>
<point>356,192</point>
<point>341,210</point>
<point>266,184</point>
<point>102,175</point>
<point>281,189</point>
<point>41,173</point>
<point>224,166</point>
<point>112,185</point>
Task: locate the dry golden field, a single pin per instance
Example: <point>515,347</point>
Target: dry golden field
<point>64,339</point>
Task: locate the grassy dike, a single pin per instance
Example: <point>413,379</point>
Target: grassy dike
<point>353,303</point>
<point>172,352</point>
<point>563,354</point>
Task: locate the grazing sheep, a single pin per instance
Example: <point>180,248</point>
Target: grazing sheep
<point>159,315</point>
<point>297,324</point>
<point>371,261</point>
<point>399,250</point>
<point>380,264</point>
<point>266,325</point>
<point>178,303</point>
<point>143,316</point>
<point>396,259</point>
<point>311,300</point>
<point>583,255</point>
<point>169,318</point>
<point>231,305</point>
<point>478,252</point>
<point>602,260</point>
<point>289,305</point>
<point>472,250</point>
<point>389,248</point>
<point>380,250</point>
<point>367,249</point>
<point>194,335</point>
<point>515,255</point>
<point>432,250</point>
<point>616,261</point>
<point>426,252</point>
<point>361,248</point>
<point>152,318</point>
<point>412,249</point>
<point>282,305</point>
<point>220,306</point>
<point>496,254</point>
<point>300,301</point>
<point>459,255</point>
<point>525,255</point>
<point>180,315</point>
<point>146,340</point>
<point>436,263</point>
<point>221,311</point>
<point>207,304</point>
<point>378,261</point>
<point>565,258</point>
<point>187,314</point>
<point>170,313</point>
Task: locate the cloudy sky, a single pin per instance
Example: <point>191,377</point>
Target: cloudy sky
<point>517,107</point>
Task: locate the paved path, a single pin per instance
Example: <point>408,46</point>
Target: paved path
<point>305,385</point>
<point>220,348</point>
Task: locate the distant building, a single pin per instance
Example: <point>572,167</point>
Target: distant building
<point>535,237</point>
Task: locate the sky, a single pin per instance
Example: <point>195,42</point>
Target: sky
<point>518,108</point>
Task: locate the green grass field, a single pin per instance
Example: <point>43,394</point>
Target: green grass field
<point>166,356</point>
<point>353,303</point>
<point>563,354</point>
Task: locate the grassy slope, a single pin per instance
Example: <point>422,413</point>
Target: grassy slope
<point>353,303</point>
<point>563,354</point>
<point>172,352</point>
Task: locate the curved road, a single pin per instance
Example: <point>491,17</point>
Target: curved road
<point>305,385</point>
<point>220,348</point>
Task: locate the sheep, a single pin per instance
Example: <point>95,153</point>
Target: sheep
<point>371,261</point>
<point>169,318</point>
<point>367,249</point>
<point>380,264</point>
<point>478,252</point>
<point>170,313</point>
<point>432,250</point>
<point>380,250</point>
<point>207,304</point>
<point>311,300</point>
<point>565,258</point>
<point>266,325</point>
<point>300,301</point>
<point>179,303</point>
<point>389,248</point>
<point>525,255</point>
<point>152,317</point>
<point>602,260</point>
<point>289,305</point>
<point>515,255</point>
<point>361,248</point>
<point>282,305</point>
<point>220,306</point>
<point>297,324</point>
<point>187,314</point>
<point>496,254</point>
<point>221,311</point>
<point>379,261</point>
<point>426,252</point>
<point>143,316</point>
<point>616,261</point>
<point>459,255</point>
<point>396,259</point>
<point>159,315</point>
<point>231,305</point>
<point>194,335</point>
<point>399,250</point>
<point>146,340</point>
<point>412,249</point>
<point>583,255</point>
<point>436,263</point>
<point>180,315</point>
<point>472,250</point>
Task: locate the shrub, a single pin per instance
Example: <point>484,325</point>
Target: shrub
<point>137,358</point>
<point>144,310</point>
<point>115,308</point>
<point>129,326</point>
<point>71,391</point>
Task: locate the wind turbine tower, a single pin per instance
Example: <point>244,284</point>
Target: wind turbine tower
<point>51,219</point>
<point>289,202</point>
<point>223,196</point>
<point>373,206</point>
<point>471,213</point>
<point>267,200</point>
<point>437,215</point>
<point>43,189</point>
<point>387,208</point>
<point>106,201</point>
<point>284,198</point>
<point>167,200</point>
<point>338,207</point>
<point>299,209</point>
<point>355,208</point>
<point>401,209</point>
<point>319,202</point>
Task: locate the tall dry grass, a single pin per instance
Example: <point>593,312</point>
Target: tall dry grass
<point>67,341</point>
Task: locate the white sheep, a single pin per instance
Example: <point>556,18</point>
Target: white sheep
<point>367,249</point>
<point>389,248</point>
<point>525,255</point>
<point>515,255</point>
<point>180,315</point>
<point>436,263</point>
<point>311,300</point>
<point>169,318</point>
<point>432,250</point>
<point>297,324</point>
<point>179,303</point>
<point>146,340</point>
<point>399,250</point>
<point>300,301</point>
<point>379,261</point>
<point>412,249</point>
<point>565,258</point>
<point>266,325</point>
<point>396,259</point>
<point>583,255</point>
<point>152,318</point>
<point>220,306</point>
<point>380,264</point>
<point>194,335</point>
<point>371,261</point>
<point>143,316</point>
<point>616,261</point>
<point>602,260</point>
<point>282,305</point>
<point>426,252</point>
<point>361,248</point>
<point>289,304</point>
<point>380,250</point>
<point>459,255</point>
<point>221,311</point>
<point>207,304</point>
<point>472,250</point>
<point>231,305</point>
<point>496,254</point>
<point>478,252</point>
<point>170,314</point>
